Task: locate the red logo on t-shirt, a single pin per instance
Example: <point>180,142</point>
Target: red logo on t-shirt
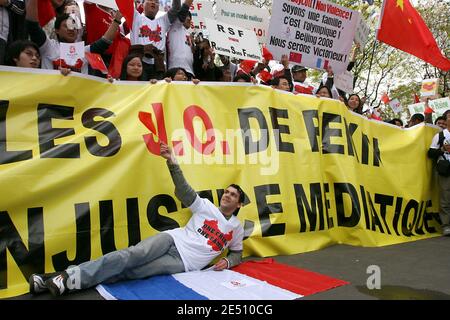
<point>216,238</point>
<point>153,35</point>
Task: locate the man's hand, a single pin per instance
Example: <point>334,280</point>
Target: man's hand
<point>221,265</point>
<point>188,2</point>
<point>285,61</point>
<point>166,153</point>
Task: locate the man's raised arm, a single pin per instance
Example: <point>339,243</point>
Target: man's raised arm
<point>183,191</point>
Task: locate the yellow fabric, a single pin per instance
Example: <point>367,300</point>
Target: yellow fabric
<point>44,192</point>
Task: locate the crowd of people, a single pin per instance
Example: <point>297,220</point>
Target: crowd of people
<point>154,48</point>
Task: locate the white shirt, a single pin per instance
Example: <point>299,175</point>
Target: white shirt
<point>147,31</point>
<point>179,47</point>
<point>206,235</point>
<point>435,142</point>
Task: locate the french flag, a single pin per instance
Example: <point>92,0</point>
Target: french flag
<point>251,280</point>
<point>321,63</point>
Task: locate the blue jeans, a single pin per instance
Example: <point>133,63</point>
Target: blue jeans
<point>152,256</point>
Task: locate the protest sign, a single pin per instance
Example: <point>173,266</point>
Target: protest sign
<point>313,33</point>
<point>199,11</point>
<point>233,41</point>
<point>429,87</point>
<point>362,32</point>
<point>71,52</point>
<point>395,105</point>
<point>245,16</point>
<point>344,81</point>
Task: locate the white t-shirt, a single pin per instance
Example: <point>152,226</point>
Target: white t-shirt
<point>179,47</point>
<point>206,235</point>
<point>50,52</point>
<point>147,31</point>
<point>435,142</point>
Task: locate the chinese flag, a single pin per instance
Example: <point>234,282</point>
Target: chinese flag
<point>126,8</point>
<point>96,61</point>
<point>403,28</point>
<point>385,98</point>
<point>45,12</point>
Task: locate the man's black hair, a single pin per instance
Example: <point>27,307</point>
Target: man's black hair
<point>59,20</point>
<point>241,196</point>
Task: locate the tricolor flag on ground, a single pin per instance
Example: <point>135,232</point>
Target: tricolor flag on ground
<point>321,63</point>
<point>251,280</point>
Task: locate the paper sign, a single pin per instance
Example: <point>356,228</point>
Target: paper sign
<point>245,16</point>
<point>200,10</point>
<point>429,87</point>
<point>233,41</point>
<point>71,52</point>
<point>362,32</point>
<point>313,33</point>
<point>395,105</point>
<point>344,81</point>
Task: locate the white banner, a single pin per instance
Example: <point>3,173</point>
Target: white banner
<point>344,81</point>
<point>201,10</point>
<point>429,87</point>
<point>233,41</point>
<point>313,33</point>
<point>362,33</point>
<point>245,16</point>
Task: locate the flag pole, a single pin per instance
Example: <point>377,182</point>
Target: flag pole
<point>374,46</point>
<point>370,66</point>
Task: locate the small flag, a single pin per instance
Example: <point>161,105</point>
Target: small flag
<point>96,61</point>
<point>322,64</point>
<point>266,54</point>
<point>265,76</point>
<point>295,57</point>
<point>247,65</point>
<point>428,109</point>
<point>126,7</point>
<point>416,98</point>
<point>385,98</point>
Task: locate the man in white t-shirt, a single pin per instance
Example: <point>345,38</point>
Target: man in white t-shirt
<point>209,232</point>
<point>66,32</point>
<point>440,151</point>
<point>149,31</point>
<point>180,45</point>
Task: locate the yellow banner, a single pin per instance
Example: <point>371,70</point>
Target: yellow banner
<point>81,175</point>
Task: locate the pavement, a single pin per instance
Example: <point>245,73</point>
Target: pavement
<point>418,270</point>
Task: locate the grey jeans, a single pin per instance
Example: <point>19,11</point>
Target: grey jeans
<point>152,256</point>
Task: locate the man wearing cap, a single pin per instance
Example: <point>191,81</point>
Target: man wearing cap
<point>301,85</point>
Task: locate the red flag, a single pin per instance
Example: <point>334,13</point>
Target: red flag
<point>403,28</point>
<point>385,98</point>
<point>267,55</point>
<point>416,98</point>
<point>247,65</point>
<point>96,61</point>
<point>45,12</point>
<point>265,76</point>
<point>126,7</point>
<point>97,22</point>
<point>119,48</point>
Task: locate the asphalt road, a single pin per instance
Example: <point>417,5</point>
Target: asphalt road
<point>418,270</point>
